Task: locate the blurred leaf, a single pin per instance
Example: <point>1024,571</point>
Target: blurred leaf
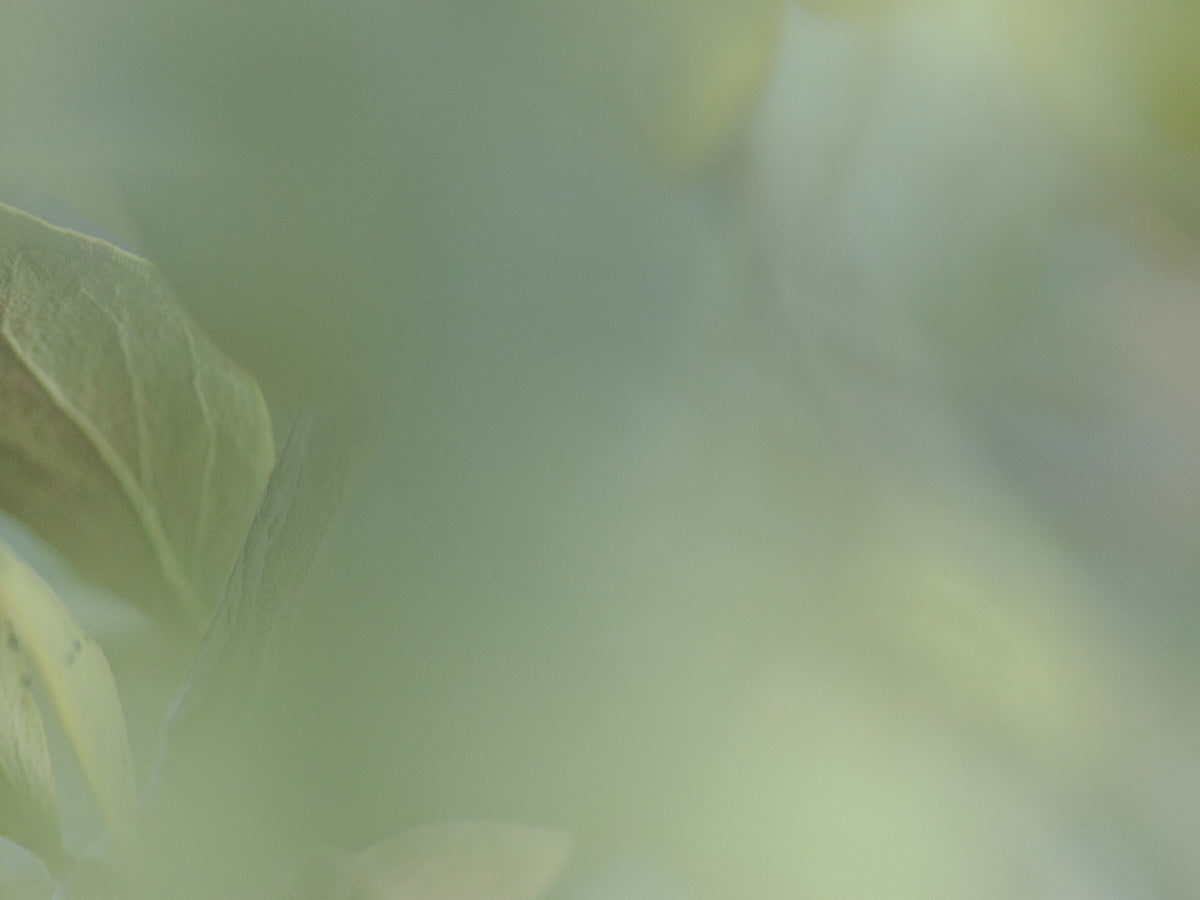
<point>466,861</point>
<point>979,614</point>
<point>26,880</point>
<point>697,67</point>
<point>879,9</point>
<point>1123,79</point>
<point>93,878</point>
<point>131,444</point>
<point>81,690</point>
<point>28,805</point>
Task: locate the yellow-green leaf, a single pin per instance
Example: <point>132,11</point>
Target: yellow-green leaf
<point>695,70</point>
<point>28,805</point>
<point>130,442</point>
<point>462,861</point>
<point>1122,78</point>
<point>80,687</point>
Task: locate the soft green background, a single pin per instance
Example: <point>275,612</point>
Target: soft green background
<point>817,522</point>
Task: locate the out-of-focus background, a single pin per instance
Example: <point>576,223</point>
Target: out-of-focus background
<point>787,447</point>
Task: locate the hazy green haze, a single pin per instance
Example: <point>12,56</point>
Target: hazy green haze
<point>783,444</point>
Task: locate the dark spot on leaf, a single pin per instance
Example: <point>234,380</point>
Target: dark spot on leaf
<point>13,644</point>
<point>76,649</point>
<point>27,681</point>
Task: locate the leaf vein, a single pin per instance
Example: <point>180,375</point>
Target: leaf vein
<point>134,491</point>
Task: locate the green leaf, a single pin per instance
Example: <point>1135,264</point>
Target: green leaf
<point>129,442</point>
<point>80,687</point>
<point>28,805</point>
<point>463,861</point>
<point>319,463</point>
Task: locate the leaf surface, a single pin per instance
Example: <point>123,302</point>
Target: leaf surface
<point>318,465</point>
<point>80,687</point>
<point>28,804</point>
<point>127,440</point>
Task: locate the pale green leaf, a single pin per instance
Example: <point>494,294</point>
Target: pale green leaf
<point>461,861</point>
<point>80,687</point>
<point>130,442</point>
<point>319,463</point>
<point>28,806</point>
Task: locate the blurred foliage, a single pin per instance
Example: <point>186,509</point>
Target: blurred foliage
<point>866,10</point>
<point>693,69</point>
<point>1125,79</point>
<point>787,432</point>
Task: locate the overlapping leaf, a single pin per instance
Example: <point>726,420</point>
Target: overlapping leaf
<point>126,439</point>
<point>42,636</point>
<point>28,808</point>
